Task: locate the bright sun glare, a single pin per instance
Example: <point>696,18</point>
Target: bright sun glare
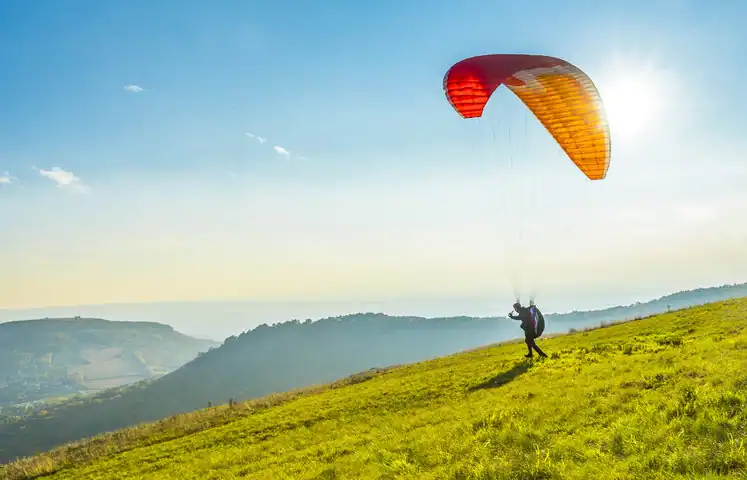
<point>632,101</point>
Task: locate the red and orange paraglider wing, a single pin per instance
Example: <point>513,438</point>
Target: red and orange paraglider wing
<point>560,95</point>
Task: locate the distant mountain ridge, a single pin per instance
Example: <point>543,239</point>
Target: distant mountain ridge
<point>295,354</point>
<point>53,357</point>
<point>673,301</point>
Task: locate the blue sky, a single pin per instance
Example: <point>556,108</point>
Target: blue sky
<point>127,175</point>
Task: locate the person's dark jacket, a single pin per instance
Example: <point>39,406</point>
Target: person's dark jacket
<point>526,320</point>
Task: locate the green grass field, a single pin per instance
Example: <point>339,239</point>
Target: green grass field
<point>662,397</point>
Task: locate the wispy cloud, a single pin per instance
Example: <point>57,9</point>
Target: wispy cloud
<point>278,149</point>
<point>64,179</point>
<point>6,178</point>
<point>256,137</point>
<point>282,151</point>
<point>132,88</point>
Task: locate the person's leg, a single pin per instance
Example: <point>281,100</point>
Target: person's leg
<point>528,341</point>
<point>539,350</point>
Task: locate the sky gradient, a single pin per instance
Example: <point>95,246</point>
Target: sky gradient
<point>178,151</point>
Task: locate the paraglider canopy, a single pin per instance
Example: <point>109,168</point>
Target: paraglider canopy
<point>559,94</point>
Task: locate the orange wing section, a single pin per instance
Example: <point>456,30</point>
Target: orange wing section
<point>561,96</point>
<point>566,102</point>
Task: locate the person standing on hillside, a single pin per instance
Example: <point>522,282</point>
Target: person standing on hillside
<point>529,327</point>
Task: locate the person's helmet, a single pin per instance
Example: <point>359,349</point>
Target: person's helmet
<point>517,306</point>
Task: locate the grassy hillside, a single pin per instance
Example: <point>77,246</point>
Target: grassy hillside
<point>45,358</point>
<point>266,360</point>
<point>271,359</point>
<point>662,397</point>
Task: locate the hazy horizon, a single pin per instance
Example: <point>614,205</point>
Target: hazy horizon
<point>156,153</point>
<point>219,319</point>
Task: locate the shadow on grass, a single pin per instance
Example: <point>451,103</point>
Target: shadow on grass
<point>503,378</point>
